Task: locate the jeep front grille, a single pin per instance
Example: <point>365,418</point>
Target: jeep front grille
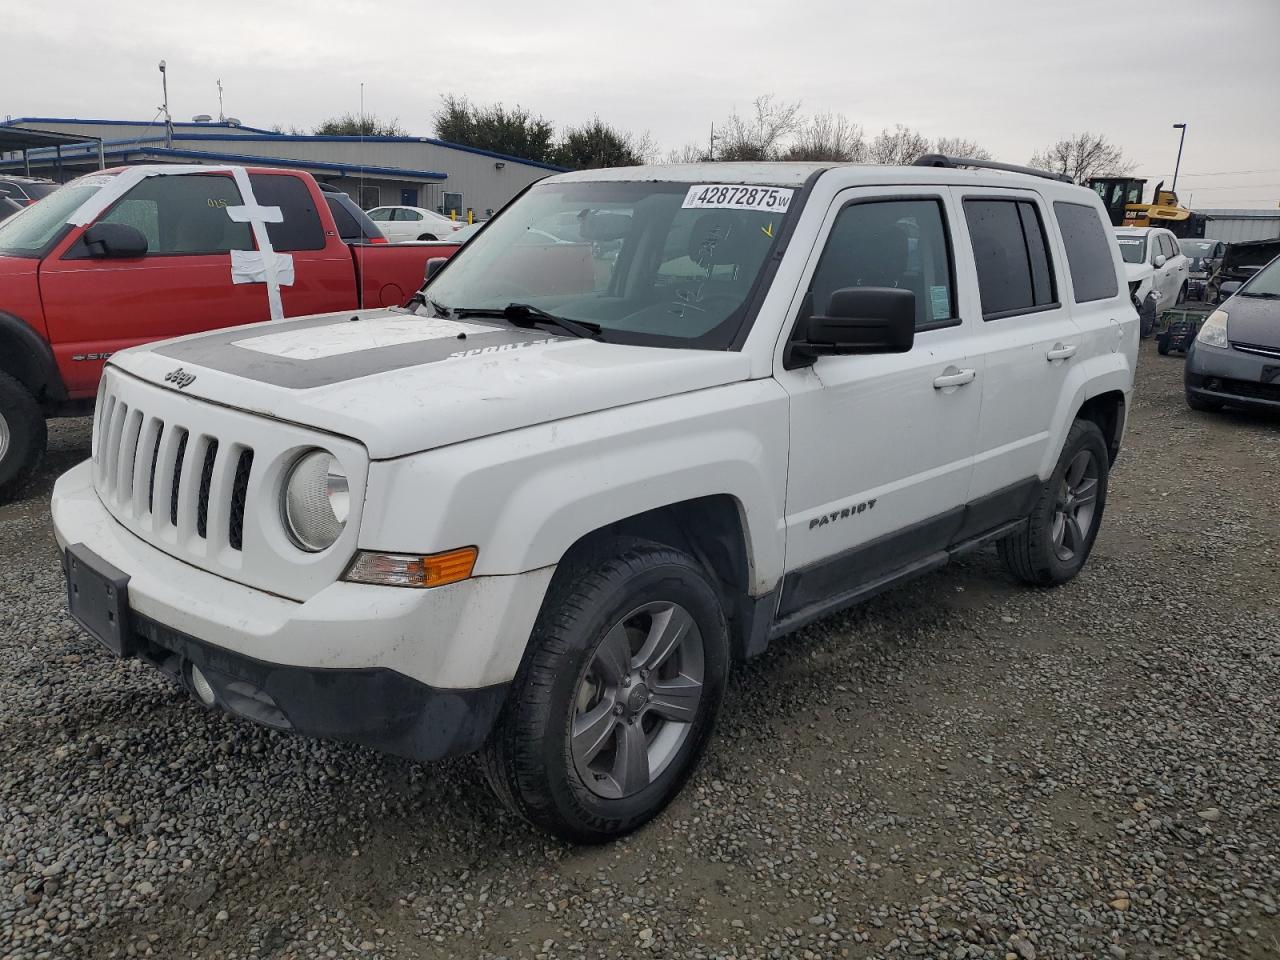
<point>143,460</point>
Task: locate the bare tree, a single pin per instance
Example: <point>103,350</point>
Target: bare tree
<point>1083,155</point>
<point>759,137</point>
<point>961,147</point>
<point>901,145</point>
<point>828,136</point>
<point>689,153</point>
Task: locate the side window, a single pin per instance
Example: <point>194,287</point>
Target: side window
<point>301,228</point>
<point>410,215</point>
<point>348,226</point>
<point>184,214</point>
<point>891,243</point>
<point>1093,270</point>
<point>1171,246</point>
<point>1015,274</point>
<point>380,215</point>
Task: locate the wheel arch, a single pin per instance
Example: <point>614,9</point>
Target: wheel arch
<point>1107,411</point>
<point>26,357</point>
<point>713,530</point>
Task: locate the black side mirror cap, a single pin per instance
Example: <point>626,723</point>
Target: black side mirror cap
<point>434,266</point>
<point>115,240</point>
<point>860,320</point>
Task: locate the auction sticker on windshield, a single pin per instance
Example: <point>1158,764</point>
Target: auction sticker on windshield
<point>727,196</point>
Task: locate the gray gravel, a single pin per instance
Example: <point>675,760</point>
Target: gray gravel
<point>963,768</point>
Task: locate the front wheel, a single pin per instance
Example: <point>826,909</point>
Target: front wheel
<point>617,695</point>
<point>1147,316</point>
<point>1064,522</point>
<point>1204,404</point>
<point>22,435</point>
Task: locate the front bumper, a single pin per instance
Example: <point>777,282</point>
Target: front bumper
<point>419,673</point>
<point>1233,377</point>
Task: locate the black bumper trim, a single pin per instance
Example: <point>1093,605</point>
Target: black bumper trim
<point>376,707</point>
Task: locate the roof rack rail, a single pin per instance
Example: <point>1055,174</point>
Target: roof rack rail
<point>941,160</point>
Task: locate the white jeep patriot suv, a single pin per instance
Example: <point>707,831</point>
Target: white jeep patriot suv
<point>648,421</point>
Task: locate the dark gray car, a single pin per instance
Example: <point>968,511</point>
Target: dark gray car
<point>1235,360</point>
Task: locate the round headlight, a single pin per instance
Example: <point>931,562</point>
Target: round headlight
<point>317,500</point>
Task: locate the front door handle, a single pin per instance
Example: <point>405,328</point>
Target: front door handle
<point>954,377</point>
<point>1061,351</point>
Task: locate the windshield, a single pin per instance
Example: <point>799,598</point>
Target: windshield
<point>648,262</point>
<point>1133,249</point>
<point>42,223</point>
<point>1197,248</point>
<point>1264,283</point>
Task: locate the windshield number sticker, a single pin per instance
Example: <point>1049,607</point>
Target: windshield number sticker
<point>715,196</point>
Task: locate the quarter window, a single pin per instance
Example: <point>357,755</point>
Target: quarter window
<point>1089,258</point>
<point>301,228</point>
<point>891,243</point>
<point>1015,272</point>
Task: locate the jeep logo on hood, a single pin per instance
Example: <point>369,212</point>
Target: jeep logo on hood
<point>180,378</point>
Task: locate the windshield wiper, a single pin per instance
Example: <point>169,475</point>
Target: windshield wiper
<point>527,315</point>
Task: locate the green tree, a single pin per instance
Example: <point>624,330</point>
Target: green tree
<point>355,125</point>
<point>511,130</point>
<point>597,144</point>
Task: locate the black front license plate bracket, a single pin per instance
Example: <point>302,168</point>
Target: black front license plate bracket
<point>98,598</point>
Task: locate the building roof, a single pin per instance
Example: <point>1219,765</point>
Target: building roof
<point>229,131</point>
<point>1245,214</point>
<point>24,138</point>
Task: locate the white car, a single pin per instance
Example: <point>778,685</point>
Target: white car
<point>539,512</point>
<point>413,223</point>
<point>1156,268</point>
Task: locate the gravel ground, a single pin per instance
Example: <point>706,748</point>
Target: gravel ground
<point>962,768</point>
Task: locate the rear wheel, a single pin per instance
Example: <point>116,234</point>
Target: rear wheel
<point>22,435</point>
<point>1182,295</point>
<point>1162,344</point>
<point>1064,522</point>
<point>428,236</point>
<point>618,693</point>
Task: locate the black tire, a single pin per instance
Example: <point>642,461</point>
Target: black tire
<point>529,759</point>
<point>1147,317</point>
<point>428,236</point>
<point>1182,295</point>
<point>1203,404</point>
<point>1162,344</point>
<point>22,436</point>
<point>1031,554</point>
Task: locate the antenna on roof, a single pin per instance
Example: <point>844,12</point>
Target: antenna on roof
<point>222,118</point>
<point>168,119</point>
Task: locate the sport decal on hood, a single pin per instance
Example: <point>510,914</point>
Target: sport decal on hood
<point>319,351</point>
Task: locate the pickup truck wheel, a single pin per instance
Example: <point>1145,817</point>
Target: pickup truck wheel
<point>22,435</point>
<point>617,695</point>
<point>1060,531</point>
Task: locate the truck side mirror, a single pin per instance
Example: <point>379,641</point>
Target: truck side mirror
<point>434,266</point>
<point>115,240</point>
<point>863,320</point>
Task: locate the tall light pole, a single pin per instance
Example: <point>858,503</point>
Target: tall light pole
<point>1181,140</point>
<point>168,119</point>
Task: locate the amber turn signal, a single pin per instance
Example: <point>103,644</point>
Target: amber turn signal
<point>411,570</point>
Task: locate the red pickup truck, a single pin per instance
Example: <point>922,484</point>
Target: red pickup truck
<point>157,262</point>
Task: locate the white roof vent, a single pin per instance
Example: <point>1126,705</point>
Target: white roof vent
<point>201,118</point>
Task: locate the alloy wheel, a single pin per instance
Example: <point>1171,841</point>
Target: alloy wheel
<point>637,699</point>
<point>1077,503</point>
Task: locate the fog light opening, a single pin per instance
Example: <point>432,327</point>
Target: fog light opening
<point>203,689</point>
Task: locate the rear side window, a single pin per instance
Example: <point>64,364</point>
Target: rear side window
<point>1015,273</point>
<point>1093,271</point>
<point>301,228</point>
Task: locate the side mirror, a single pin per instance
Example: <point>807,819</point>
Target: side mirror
<point>115,240</point>
<point>862,320</point>
<point>434,266</point>
<point>1159,261</point>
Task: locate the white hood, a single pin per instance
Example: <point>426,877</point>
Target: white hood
<point>1137,271</point>
<point>401,384</point>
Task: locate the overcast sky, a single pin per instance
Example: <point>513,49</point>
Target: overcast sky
<point>1013,75</point>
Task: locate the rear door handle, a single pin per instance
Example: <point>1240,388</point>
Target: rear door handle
<point>1061,351</point>
<point>953,377</point>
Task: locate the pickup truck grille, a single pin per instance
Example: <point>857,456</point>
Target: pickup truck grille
<point>201,482</point>
<point>138,452</point>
